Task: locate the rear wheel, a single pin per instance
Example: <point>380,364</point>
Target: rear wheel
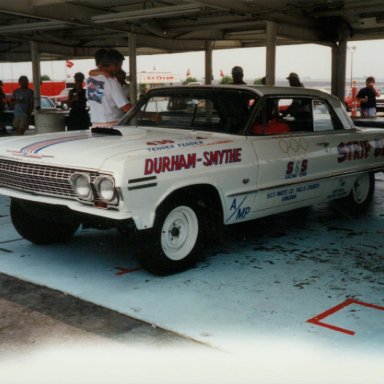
<point>360,196</point>
<point>42,223</point>
<point>173,244</point>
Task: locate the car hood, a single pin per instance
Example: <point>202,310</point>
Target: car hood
<point>86,149</point>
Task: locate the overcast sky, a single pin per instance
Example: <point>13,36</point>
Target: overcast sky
<point>309,61</point>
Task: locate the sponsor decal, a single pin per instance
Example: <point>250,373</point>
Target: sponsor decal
<point>353,150</point>
<point>292,193</point>
<point>167,144</point>
<point>296,169</point>
<point>360,150</point>
<point>238,209</point>
<point>294,146</point>
<point>33,150</point>
<point>223,156</point>
<point>170,163</point>
<point>160,142</point>
<point>179,162</point>
<point>338,192</point>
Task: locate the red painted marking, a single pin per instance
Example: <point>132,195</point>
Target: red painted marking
<point>123,271</point>
<point>317,319</point>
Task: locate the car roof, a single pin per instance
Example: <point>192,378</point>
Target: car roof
<point>262,90</point>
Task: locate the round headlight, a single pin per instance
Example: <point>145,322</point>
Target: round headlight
<point>105,186</point>
<point>81,183</point>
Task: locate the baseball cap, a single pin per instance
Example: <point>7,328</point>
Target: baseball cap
<point>293,75</point>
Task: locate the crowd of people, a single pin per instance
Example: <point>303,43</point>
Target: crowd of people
<point>107,95</point>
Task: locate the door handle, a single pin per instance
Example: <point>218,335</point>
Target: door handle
<point>325,145</point>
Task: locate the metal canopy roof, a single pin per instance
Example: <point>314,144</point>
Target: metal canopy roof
<point>76,28</point>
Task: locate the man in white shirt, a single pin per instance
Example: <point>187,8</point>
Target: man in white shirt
<point>106,97</point>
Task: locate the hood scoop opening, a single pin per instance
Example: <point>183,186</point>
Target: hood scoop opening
<point>118,130</point>
<point>106,131</point>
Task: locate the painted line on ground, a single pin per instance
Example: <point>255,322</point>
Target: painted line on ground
<point>317,319</point>
<point>123,271</point>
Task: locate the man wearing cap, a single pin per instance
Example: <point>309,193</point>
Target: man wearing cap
<point>237,75</point>
<point>294,80</point>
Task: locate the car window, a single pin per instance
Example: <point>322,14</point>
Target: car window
<point>47,103</point>
<point>322,117</point>
<point>283,115</point>
<point>225,111</point>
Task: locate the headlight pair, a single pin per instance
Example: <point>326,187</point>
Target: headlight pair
<point>104,185</point>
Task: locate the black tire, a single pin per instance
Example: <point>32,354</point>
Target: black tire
<point>43,223</point>
<point>174,242</point>
<point>360,198</point>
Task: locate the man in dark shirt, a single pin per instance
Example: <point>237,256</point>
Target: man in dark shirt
<point>367,98</point>
<point>237,75</point>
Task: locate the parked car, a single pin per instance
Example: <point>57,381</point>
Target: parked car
<point>46,104</point>
<point>185,161</point>
<point>61,100</point>
<point>380,100</point>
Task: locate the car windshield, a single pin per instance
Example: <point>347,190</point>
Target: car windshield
<point>217,110</point>
<point>47,103</point>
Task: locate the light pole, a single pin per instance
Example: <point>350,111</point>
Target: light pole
<point>352,50</point>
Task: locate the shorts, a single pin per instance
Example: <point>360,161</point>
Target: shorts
<point>21,124</point>
<point>368,112</point>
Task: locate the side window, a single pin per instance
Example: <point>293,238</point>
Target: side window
<point>322,117</point>
<point>284,115</point>
<point>298,112</point>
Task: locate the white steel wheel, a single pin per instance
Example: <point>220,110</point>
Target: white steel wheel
<point>179,233</point>
<point>361,189</point>
<point>360,197</point>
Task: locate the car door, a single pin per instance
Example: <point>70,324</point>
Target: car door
<point>295,164</point>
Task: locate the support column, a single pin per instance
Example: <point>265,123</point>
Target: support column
<point>132,68</point>
<point>270,66</point>
<point>339,59</point>
<point>208,62</point>
<point>35,54</point>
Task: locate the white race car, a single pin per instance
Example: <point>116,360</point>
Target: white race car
<point>187,160</point>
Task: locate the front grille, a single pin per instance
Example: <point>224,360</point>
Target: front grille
<point>39,179</point>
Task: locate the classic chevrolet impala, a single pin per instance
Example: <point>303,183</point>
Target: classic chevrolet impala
<point>187,160</point>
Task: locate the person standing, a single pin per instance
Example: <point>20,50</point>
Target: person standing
<point>22,98</point>
<point>105,95</point>
<point>294,80</point>
<point>367,98</point>
<point>237,75</point>
<point>122,79</point>
<point>2,108</point>
<point>78,115</point>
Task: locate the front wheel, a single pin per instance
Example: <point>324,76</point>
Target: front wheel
<point>173,243</point>
<point>42,223</point>
<point>360,196</point>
